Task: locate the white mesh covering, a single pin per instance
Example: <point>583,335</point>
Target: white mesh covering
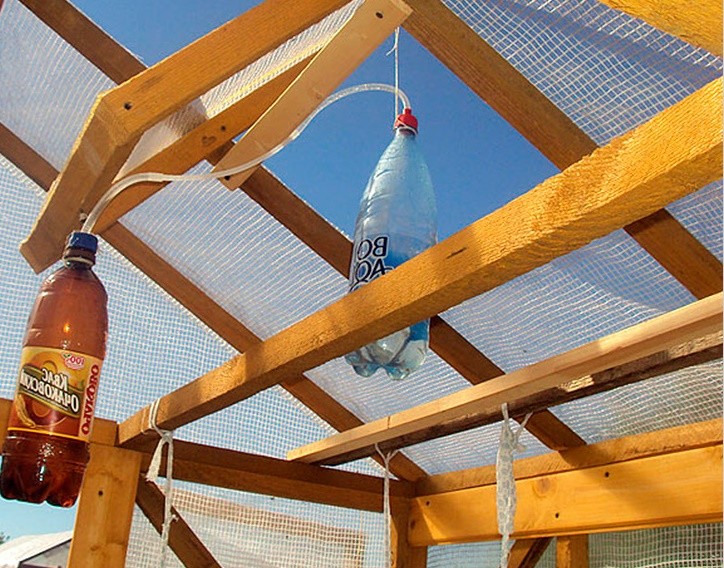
<point>607,71</point>
<point>243,530</point>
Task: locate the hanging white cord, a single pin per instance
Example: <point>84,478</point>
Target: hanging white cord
<point>387,512</point>
<point>153,473</point>
<point>396,50</point>
<point>157,177</point>
<point>505,481</point>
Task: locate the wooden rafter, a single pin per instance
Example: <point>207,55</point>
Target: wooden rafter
<point>618,485</point>
<point>187,547</point>
<point>211,140</point>
<point>629,355</point>
<point>526,553</point>
<point>699,23</point>
<point>560,215</point>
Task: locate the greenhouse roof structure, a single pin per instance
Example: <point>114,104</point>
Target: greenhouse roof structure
<point>590,305</point>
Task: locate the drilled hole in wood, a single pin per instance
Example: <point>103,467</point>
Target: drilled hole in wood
<point>380,15</point>
<point>127,106</point>
<point>100,493</point>
<point>558,515</point>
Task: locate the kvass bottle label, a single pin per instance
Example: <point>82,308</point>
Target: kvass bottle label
<point>56,393</point>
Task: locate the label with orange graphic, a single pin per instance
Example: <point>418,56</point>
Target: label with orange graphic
<point>56,393</point>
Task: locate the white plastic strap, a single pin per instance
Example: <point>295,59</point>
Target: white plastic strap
<point>153,473</point>
<point>505,481</point>
<point>396,50</point>
<point>386,505</point>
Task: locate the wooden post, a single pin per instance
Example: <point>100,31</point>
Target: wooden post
<point>572,551</point>
<point>105,509</point>
<point>404,555</point>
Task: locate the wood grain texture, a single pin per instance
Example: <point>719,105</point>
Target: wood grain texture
<point>161,90</point>
<point>187,547</point>
<point>25,158</point>
<point>594,365</point>
<point>572,551</point>
<point>203,142</point>
<point>558,216</point>
<point>699,23</point>
<point>623,496</point>
<point>105,509</point>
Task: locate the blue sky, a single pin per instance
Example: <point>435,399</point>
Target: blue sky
<point>476,160</point>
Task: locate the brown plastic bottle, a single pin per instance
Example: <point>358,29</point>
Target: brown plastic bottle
<point>46,449</point>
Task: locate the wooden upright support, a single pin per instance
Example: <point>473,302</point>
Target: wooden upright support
<point>105,509</point>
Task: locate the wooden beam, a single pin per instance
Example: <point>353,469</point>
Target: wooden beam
<point>498,83</point>
<point>526,552</point>
<point>671,440</point>
<point>327,241</point>
<point>632,177</point>
<point>121,115</point>
<point>686,259</point>
<point>241,471</point>
<point>105,509</point>
<point>589,368</point>
<point>572,551</point>
<point>99,153</point>
<point>699,23</point>
<point>87,38</point>
<point>174,82</point>
<point>522,105</point>
<point>25,158</point>
<point>370,25</point>
<point>636,494</point>
<point>187,547</point>
<point>203,142</point>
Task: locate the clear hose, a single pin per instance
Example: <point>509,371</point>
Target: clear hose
<point>157,177</point>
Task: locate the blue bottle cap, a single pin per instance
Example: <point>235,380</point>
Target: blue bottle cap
<point>81,240</point>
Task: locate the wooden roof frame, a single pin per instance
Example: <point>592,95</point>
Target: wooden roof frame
<point>479,67</point>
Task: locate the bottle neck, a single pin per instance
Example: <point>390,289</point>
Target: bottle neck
<point>79,259</point>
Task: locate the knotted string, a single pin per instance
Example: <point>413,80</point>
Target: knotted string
<point>386,505</point>
<point>505,481</point>
<point>153,473</point>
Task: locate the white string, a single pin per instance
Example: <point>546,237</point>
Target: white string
<point>396,50</point>
<point>153,473</point>
<point>505,481</point>
<point>386,505</point>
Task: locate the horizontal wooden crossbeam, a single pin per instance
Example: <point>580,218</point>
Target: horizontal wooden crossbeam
<point>265,475</point>
<point>681,151</point>
<point>603,364</point>
<point>672,488</point>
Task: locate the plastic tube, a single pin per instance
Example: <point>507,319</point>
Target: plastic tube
<point>157,177</point>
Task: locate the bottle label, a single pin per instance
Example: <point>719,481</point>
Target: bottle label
<point>368,263</point>
<point>56,393</point>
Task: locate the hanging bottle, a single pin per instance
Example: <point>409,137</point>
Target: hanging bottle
<point>46,449</point>
<point>397,220</point>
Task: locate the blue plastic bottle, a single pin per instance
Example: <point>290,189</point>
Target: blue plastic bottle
<point>397,220</point>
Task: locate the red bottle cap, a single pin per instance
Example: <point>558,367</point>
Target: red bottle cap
<point>406,119</point>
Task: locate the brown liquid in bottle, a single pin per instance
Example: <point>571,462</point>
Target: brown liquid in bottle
<point>42,459</point>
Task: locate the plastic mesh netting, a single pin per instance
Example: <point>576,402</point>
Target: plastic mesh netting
<point>607,71</point>
<point>251,531</point>
<point>695,546</point>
